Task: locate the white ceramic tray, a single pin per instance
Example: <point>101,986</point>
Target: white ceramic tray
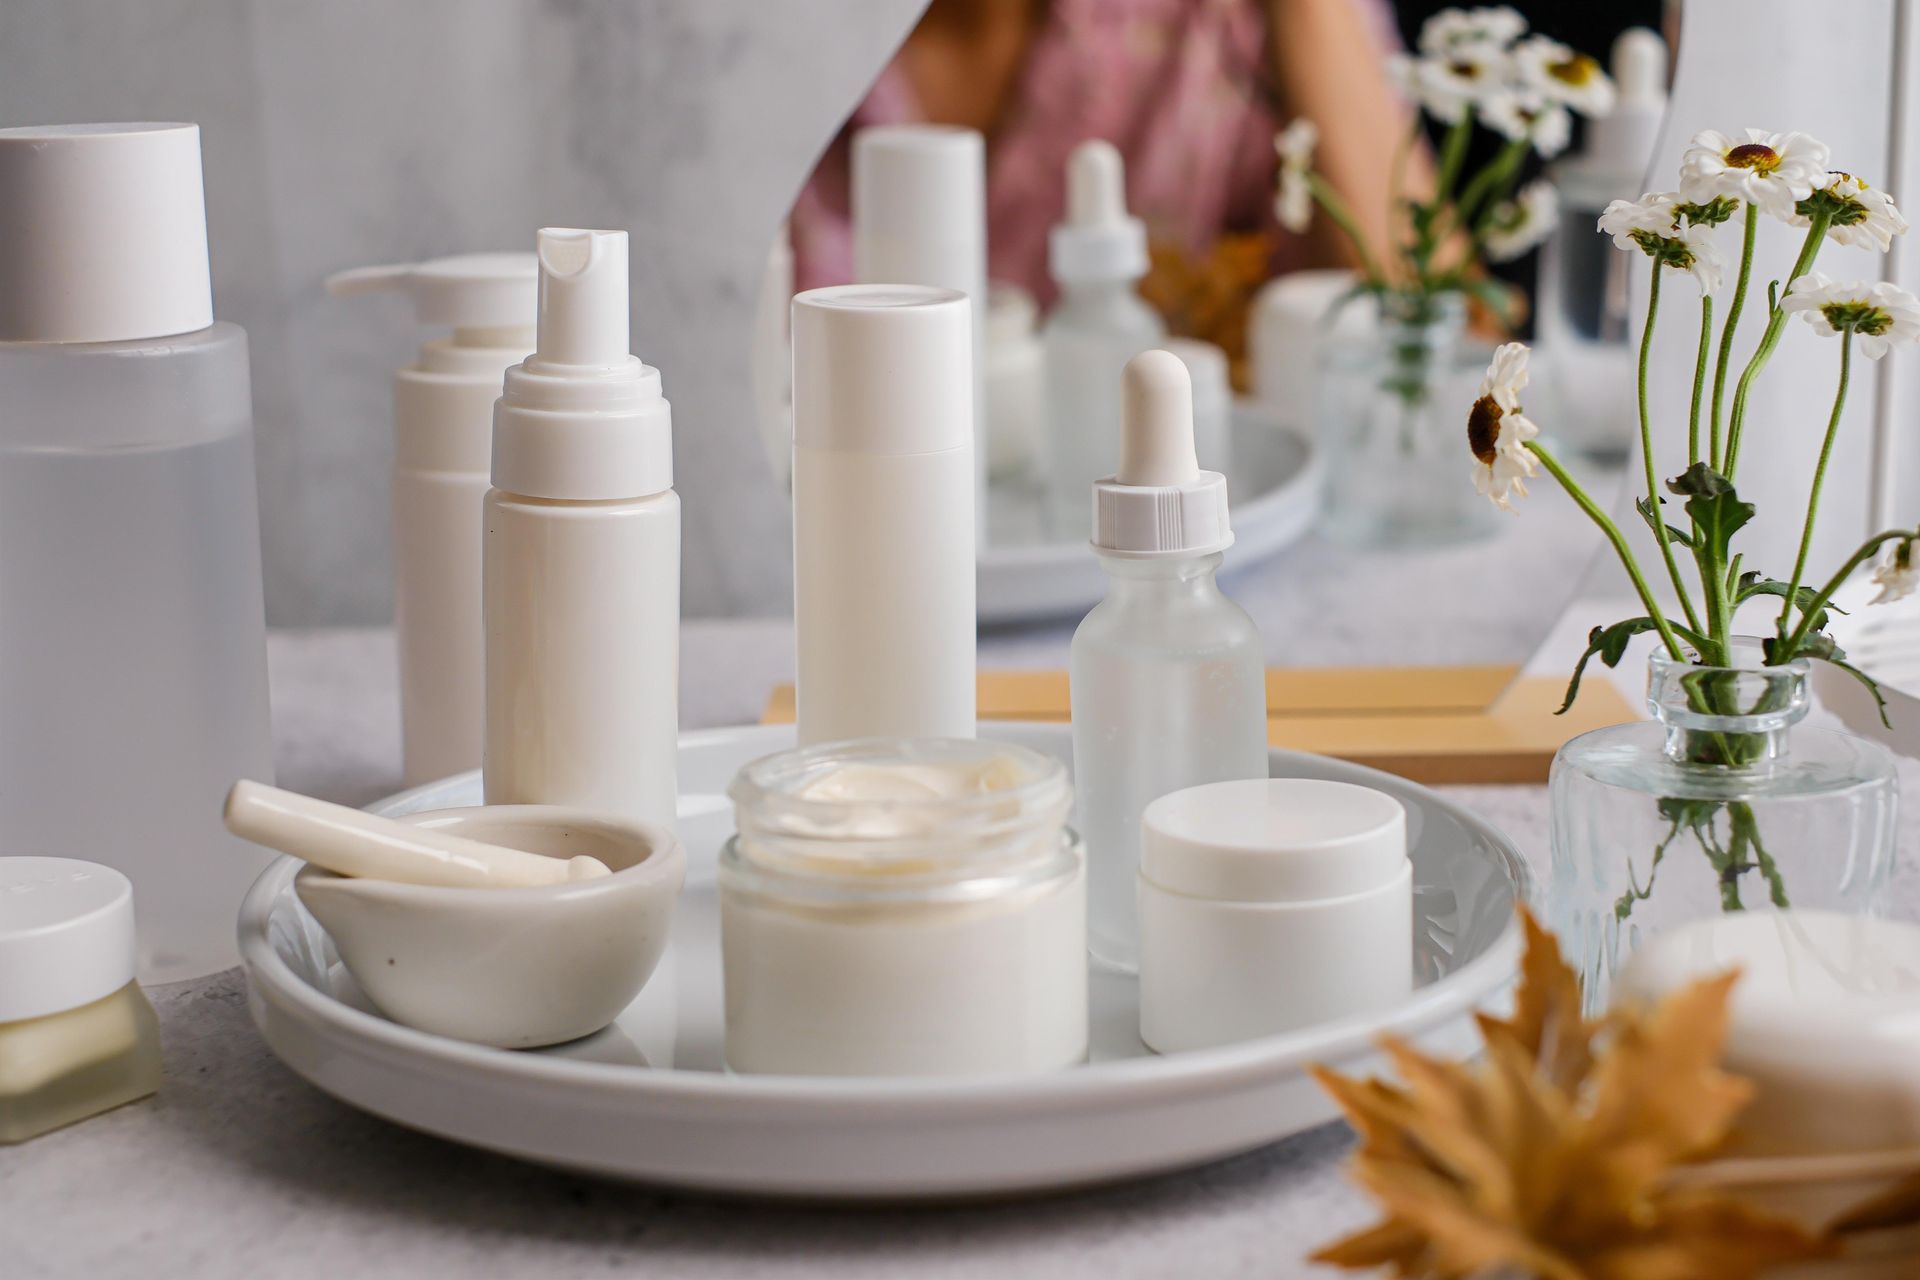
<point>648,1098</point>
<point>1274,484</point>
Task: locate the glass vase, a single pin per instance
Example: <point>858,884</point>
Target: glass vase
<point>1723,802</point>
<point>1392,426</point>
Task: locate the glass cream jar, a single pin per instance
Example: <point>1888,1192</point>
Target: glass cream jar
<point>904,907</point>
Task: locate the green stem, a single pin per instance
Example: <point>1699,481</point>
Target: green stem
<point>1646,453</point>
<point>1336,208</point>
<point>1867,550</point>
<point>1620,547</point>
<point>1776,323</point>
<point>1725,362</point>
<point>1819,479</point>
<point>1699,372</point>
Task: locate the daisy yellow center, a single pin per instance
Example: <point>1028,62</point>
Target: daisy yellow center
<point>1465,70</point>
<point>1483,429</point>
<point>1857,315</point>
<point>1576,71</point>
<point>1754,155</point>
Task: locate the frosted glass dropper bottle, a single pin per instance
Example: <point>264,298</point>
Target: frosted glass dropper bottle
<point>582,555</point>
<point>1098,324</point>
<point>1168,678</point>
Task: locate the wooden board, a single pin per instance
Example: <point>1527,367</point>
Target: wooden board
<point>1430,724</point>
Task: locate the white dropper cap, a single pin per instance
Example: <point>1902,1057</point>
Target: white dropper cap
<point>581,419</point>
<point>103,233</point>
<point>1160,504</point>
<point>1099,240</point>
<point>1624,139</point>
<point>487,299</point>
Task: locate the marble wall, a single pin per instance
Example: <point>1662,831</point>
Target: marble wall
<point>360,131</point>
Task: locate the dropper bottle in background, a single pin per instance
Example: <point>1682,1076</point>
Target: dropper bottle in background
<point>1098,324</point>
<point>1168,677</point>
<point>442,457</point>
<point>1584,342</point>
<point>582,555</point>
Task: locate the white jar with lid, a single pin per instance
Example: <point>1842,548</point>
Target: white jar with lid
<point>1268,905</point>
<point>903,907</point>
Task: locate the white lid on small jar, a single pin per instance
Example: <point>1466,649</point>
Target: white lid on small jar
<point>1273,840</point>
<point>66,935</point>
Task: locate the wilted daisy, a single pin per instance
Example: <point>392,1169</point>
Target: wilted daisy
<point>1773,171</point>
<point>1498,432</point>
<point>1653,224</point>
<point>1518,225</point>
<point>1295,143</point>
<point>1451,30</point>
<point>1517,113</point>
<point>1895,575</point>
<point>1878,314</point>
<point>1857,214</point>
<point>1559,74</point>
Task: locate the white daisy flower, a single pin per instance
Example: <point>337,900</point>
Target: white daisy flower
<point>1773,171</point>
<point>1295,144</point>
<point>1446,86</point>
<point>1561,75</point>
<point>1895,575</point>
<point>1654,225</point>
<point>1518,225</point>
<point>1450,30</point>
<point>1497,431</point>
<point>1859,215</point>
<point>1516,113</point>
<point>1880,315</point>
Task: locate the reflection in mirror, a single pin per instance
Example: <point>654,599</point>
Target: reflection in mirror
<point>1330,234</point>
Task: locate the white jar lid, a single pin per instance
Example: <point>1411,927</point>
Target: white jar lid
<point>66,935</point>
<point>1273,840</point>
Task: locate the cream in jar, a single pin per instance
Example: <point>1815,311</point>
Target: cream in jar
<point>903,907</point>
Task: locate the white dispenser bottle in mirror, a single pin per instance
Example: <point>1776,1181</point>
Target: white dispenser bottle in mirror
<point>133,673</point>
<point>883,510</point>
<point>442,459</point>
<point>1168,683</point>
<point>1584,337</point>
<point>1098,324</point>
<point>582,556</point>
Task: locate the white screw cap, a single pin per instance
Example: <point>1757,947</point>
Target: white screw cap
<point>1099,240</point>
<point>66,935</point>
<point>1160,503</point>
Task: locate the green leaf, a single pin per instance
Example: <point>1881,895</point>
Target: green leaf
<point>1609,644</point>
<point>1837,659</point>
<point>1752,584</point>
<point>1496,296</point>
<point>1678,536</point>
<point>1715,509</point>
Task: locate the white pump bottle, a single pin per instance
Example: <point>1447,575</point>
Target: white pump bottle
<point>1097,325</point>
<point>582,551</point>
<point>442,456</point>
<point>1167,674</point>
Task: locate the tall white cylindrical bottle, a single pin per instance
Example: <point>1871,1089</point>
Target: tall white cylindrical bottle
<point>1167,674</point>
<point>582,555</point>
<point>442,463</point>
<point>1097,255</point>
<point>920,217</point>
<point>883,513</point>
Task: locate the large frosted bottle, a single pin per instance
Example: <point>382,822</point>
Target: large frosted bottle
<point>1167,674</point>
<point>133,678</point>
<point>581,582</point>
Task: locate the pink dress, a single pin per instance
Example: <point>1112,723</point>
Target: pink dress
<point>1174,84</point>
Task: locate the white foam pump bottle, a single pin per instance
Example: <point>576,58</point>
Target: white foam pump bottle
<point>582,555</point>
<point>1097,325</point>
<point>1168,678</point>
<point>442,461</point>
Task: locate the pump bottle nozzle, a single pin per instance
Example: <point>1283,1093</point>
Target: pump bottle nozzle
<point>1157,445</point>
<point>583,298</point>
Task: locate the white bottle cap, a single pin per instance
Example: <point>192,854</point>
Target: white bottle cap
<point>1273,840</point>
<point>66,935</point>
<point>1160,504</point>
<point>103,233</point>
<point>463,292</point>
<point>581,419</point>
<point>883,369</point>
<point>1099,240</point>
<point>1624,138</point>
<point>919,205</point>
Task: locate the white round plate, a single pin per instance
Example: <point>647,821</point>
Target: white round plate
<point>1274,484</point>
<point>649,1099</point>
